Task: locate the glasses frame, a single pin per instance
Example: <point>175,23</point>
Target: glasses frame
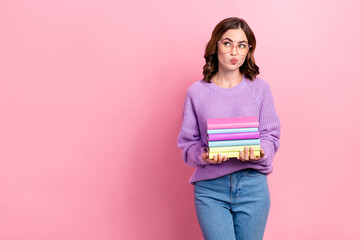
<point>237,50</point>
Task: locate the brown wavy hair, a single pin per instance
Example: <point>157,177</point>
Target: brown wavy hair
<point>249,68</point>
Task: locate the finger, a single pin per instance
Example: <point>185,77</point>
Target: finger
<point>252,153</point>
<point>241,156</point>
<point>208,160</point>
<point>246,154</point>
<point>224,158</point>
<point>215,158</point>
<point>212,161</point>
<point>205,155</point>
<point>262,153</point>
<point>219,158</point>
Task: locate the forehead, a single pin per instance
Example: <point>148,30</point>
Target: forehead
<point>236,35</point>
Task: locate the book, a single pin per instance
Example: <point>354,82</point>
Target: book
<point>231,154</point>
<point>232,149</point>
<point>233,136</point>
<point>235,122</point>
<point>242,142</point>
<point>232,130</point>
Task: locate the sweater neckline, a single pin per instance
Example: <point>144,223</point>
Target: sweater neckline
<point>232,90</point>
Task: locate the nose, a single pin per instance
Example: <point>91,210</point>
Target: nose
<point>233,50</point>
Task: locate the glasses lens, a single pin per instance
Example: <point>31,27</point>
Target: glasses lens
<point>226,47</point>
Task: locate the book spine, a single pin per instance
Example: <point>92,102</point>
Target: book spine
<point>233,125</point>
<point>247,119</point>
<point>231,154</point>
<point>233,136</point>
<point>232,149</point>
<point>234,143</point>
<point>232,130</point>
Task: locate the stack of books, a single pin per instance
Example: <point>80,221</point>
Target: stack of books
<point>229,136</point>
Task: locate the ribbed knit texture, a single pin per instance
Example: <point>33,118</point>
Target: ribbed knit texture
<point>207,100</point>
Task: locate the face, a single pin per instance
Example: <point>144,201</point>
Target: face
<point>231,58</point>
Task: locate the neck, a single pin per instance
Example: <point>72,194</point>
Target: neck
<point>227,79</point>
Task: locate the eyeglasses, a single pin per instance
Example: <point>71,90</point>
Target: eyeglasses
<point>226,46</point>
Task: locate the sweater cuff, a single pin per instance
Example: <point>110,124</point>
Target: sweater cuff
<point>203,150</point>
<point>269,153</point>
<point>195,156</point>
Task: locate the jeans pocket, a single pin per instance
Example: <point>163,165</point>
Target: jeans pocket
<point>252,173</point>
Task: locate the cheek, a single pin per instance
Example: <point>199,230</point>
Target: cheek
<point>221,58</point>
<point>242,60</point>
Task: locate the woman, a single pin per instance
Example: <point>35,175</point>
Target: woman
<point>232,198</point>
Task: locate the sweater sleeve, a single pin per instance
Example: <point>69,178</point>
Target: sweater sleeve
<point>269,127</point>
<point>189,139</point>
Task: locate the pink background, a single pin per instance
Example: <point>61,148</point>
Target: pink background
<point>91,97</point>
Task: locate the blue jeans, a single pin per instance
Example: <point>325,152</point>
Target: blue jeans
<point>235,206</point>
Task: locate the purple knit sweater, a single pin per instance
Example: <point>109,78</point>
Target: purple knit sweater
<point>207,100</point>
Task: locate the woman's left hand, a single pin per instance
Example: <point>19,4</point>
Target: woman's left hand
<point>248,154</point>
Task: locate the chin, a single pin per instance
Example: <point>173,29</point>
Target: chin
<point>230,67</point>
<point>233,68</point>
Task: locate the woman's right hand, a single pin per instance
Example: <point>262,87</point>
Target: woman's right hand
<point>217,158</point>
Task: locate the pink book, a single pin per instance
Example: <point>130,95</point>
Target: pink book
<point>233,136</point>
<point>235,122</point>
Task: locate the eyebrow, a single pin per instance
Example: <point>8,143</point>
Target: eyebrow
<point>233,41</point>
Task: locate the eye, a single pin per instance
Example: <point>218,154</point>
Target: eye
<point>242,45</point>
<point>227,44</point>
